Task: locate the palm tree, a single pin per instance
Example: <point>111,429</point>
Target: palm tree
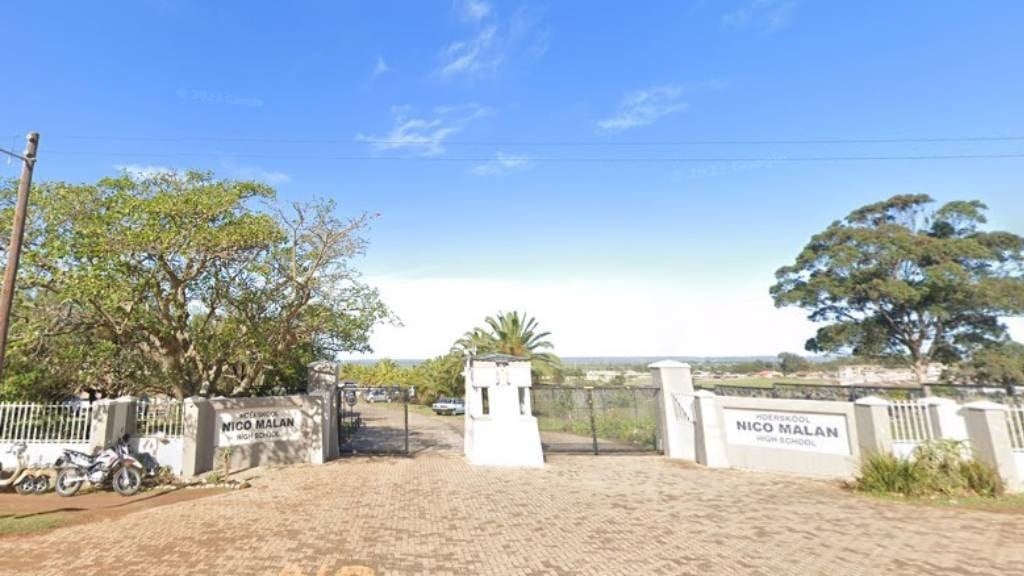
<point>514,334</point>
<point>476,341</point>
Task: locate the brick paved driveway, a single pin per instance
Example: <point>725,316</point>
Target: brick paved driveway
<point>434,514</point>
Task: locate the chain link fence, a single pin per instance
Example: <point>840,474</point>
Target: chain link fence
<point>599,419</point>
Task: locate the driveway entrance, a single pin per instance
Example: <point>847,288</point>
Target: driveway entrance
<point>383,422</point>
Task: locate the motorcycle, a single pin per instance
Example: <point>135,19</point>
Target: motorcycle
<point>25,479</point>
<point>114,465</point>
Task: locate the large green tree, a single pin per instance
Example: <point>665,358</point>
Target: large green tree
<point>790,363</point>
<point>900,279</point>
<point>1001,365</point>
<point>183,283</point>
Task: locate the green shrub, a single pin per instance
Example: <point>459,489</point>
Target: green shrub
<point>889,474</point>
<point>935,468</point>
<point>940,464</point>
<point>982,479</point>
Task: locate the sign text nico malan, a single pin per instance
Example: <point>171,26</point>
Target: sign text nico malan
<point>246,426</point>
<point>807,432</point>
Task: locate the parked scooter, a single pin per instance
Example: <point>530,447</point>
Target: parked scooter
<point>24,478</point>
<point>114,465</point>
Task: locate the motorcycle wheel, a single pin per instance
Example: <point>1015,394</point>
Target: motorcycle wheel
<point>127,481</point>
<point>42,484</point>
<point>26,485</point>
<point>65,486</point>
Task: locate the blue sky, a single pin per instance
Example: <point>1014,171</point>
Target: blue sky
<point>518,152</point>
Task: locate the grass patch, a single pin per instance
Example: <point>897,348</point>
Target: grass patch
<point>13,525</point>
<point>612,426</point>
<point>1006,504</point>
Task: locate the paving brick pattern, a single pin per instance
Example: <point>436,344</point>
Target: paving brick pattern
<point>614,515</point>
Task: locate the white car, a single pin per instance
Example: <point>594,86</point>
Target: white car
<point>377,396</point>
<point>450,406</point>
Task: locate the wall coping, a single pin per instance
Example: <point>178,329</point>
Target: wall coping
<point>785,404</point>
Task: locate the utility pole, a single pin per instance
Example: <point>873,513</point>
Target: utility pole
<point>28,162</point>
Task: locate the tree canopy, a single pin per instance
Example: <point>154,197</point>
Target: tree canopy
<point>181,283</point>
<point>439,376</point>
<point>510,333</point>
<point>790,363</point>
<point>1001,365</point>
<point>896,279</point>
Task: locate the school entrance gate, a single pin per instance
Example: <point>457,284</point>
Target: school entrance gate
<point>373,420</point>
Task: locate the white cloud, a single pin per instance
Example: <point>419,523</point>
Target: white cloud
<point>271,177</point>
<point>644,107</point>
<point>638,317</point>
<point>427,136</point>
<point>493,41</point>
<point>600,317</point>
<point>424,135</point>
<point>501,164</point>
<point>143,171</point>
<point>766,15</point>
<point>474,56</point>
<point>381,67</point>
<point>473,10</point>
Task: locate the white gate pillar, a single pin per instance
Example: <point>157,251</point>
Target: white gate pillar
<point>676,415</point>
<point>500,428</point>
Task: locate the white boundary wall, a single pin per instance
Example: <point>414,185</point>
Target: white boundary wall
<point>823,438</point>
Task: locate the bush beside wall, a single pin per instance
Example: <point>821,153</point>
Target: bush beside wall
<point>935,468</point>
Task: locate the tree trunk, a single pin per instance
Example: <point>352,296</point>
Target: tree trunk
<point>921,374</point>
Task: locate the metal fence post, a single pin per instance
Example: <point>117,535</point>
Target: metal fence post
<point>636,408</point>
<point>405,397</point>
<point>593,422</point>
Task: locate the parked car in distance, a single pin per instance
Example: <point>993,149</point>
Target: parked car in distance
<point>377,395</point>
<point>450,406</point>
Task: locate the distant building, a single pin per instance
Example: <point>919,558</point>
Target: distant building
<point>610,375</point>
<point>873,375</point>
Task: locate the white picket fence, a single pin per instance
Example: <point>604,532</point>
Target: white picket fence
<point>910,425</point>
<point>1015,423</point>
<point>158,416</point>
<point>44,423</point>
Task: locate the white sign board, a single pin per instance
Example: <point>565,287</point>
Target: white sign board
<point>803,431</point>
<point>237,427</point>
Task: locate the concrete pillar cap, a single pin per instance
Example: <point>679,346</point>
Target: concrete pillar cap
<point>669,364</point>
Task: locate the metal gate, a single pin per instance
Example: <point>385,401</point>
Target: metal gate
<point>373,420</point>
<point>597,419</point>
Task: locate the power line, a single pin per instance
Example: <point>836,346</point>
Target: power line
<point>557,159</point>
<point>595,143</point>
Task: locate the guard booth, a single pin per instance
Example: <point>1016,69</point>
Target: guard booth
<point>500,429</point>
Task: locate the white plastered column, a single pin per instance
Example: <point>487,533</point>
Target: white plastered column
<point>676,415</point>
